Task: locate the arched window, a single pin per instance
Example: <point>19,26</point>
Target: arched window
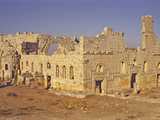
<point>41,68</point>
<point>71,72</point>
<point>32,67</point>
<point>48,65</point>
<point>123,67</point>
<point>145,66</point>
<point>57,71</point>
<point>99,68</point>
<point>64,71</point>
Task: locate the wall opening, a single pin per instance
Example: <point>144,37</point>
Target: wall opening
<point>64,71</point>
<point>48,81</point>
<point>98,86</point>
<point>123,67</point>
<point>133,80</point>
<point>2,74</point>
<point>99,68</point>
<point>145,66</point>
<point>134,62</point>
<point>6,66</point>
<point>41,68</point>
<point>158,66</point>
<point>21,65</point>
<point>13,74</point>
<point>27,63</point>
<point>158,80</point>
<point>57,71</point>
<point>48,65</point>
<point>71,72</point>
<point>32,67</point>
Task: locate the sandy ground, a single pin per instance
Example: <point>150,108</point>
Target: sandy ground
<point>20,103</point>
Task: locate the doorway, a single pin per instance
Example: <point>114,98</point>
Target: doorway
<point>98,86</point>
<point>48,82</point>
<point>133,80</point>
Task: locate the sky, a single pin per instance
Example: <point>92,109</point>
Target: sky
<point>78,17</point>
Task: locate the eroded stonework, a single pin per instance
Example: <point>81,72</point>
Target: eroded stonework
<point>99,65</point>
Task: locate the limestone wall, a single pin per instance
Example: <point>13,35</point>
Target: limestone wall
<point>59,83</point>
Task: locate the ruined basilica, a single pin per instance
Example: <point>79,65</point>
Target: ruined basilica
<point>101,64</point>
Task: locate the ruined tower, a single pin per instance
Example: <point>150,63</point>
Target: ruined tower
<point>147,32</point>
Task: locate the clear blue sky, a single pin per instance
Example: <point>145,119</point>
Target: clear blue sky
<point>78,17</point>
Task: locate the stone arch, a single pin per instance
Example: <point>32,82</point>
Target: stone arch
<point>64,71</point>
<point>71,72</point>
<point>57,71</point>
<point>99,68</point>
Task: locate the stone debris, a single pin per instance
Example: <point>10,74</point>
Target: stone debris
<point>12,94</point>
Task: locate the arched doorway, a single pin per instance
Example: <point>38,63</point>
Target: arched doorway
<point>133,80</point>
<point>48,81</point>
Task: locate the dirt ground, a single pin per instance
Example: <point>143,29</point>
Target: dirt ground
<point>20,103</point>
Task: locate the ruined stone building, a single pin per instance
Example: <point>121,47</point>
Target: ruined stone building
<point>100,64</point>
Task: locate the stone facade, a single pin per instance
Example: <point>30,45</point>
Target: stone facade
<point>99,65</point>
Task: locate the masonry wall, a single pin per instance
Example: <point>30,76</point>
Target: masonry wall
<point>58,83</point>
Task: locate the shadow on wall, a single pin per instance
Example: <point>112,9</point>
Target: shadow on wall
<point>5,84</point>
